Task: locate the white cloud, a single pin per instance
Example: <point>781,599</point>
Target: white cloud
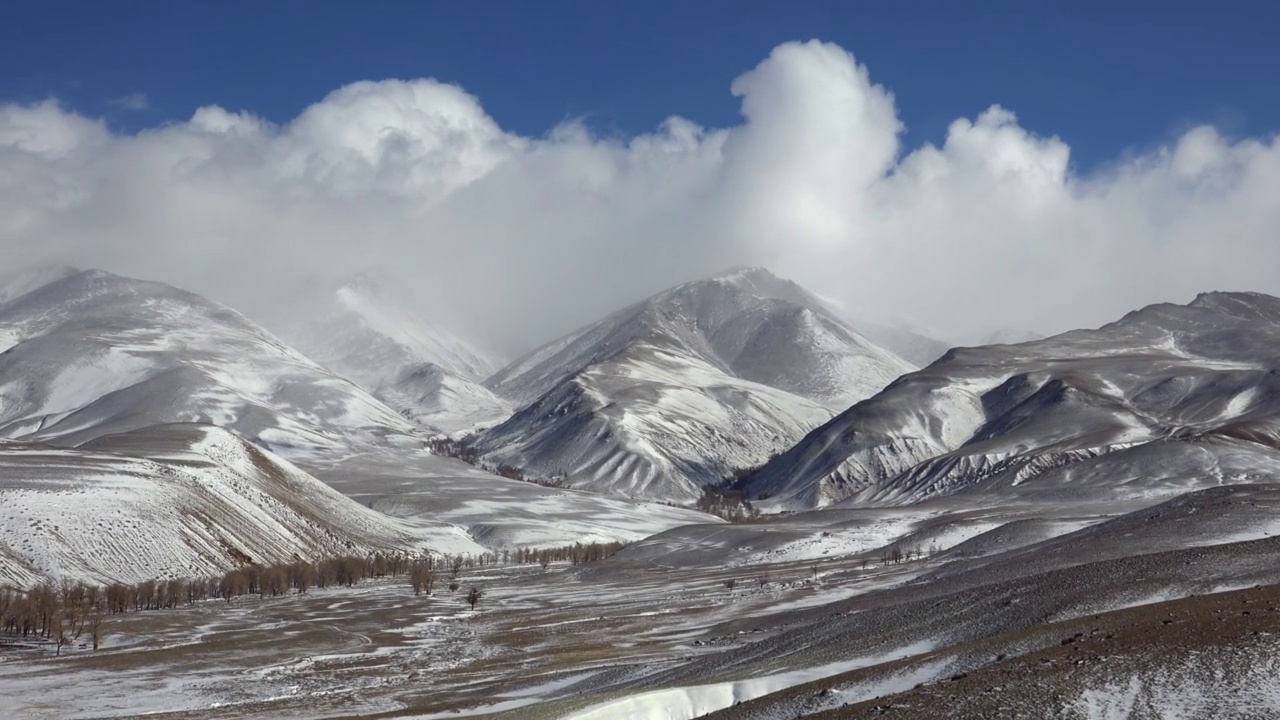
<point>133,101</point>
<point>534,235</point>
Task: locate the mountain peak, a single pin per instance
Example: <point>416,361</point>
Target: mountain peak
<point>757,280</point>
<point>748,280</point>
<point>745,273</point>
<point>1240,304</point>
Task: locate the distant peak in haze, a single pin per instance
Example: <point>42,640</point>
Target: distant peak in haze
<point>1009,336</point>
<point>15,285</point>
<point>365,282</point>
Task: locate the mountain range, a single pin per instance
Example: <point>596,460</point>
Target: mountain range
<point>935,525</point>
<point>1170,397</point>
<point>89,353</point>
<point>146,431</point>
<point>741,378</point>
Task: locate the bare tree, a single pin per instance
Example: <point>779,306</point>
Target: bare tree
<point>58,631</point>
<point>731,583</point>
<point>763,579</point>
<point>473,597</point>
<point>422,575</point>
<point>96,618</point>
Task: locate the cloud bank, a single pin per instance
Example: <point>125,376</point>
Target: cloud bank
<point>526,237</point>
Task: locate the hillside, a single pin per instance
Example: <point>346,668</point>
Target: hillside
<point>685,388</point>
<point>1168,398</point>
<point>90,354</point>
<point>180,501</point>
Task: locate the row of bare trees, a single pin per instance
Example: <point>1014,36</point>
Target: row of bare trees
<point>576,554</point>
<point>425,571</point>
<point>894,554</point>
<point>460,450</point>
<point>63,613</point>
<point>58,614</point>
<point>732,505</point>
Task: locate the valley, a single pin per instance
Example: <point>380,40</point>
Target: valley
<point>804,616</point>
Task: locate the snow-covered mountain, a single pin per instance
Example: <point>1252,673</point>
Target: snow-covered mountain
<point>1169,397</point>
<point>179,501</point>
<point>91,353</point>
<point>917,347</point>
<point>685,388</point>
<point>922,347</point>
<point>420,368</point>
<point>1009,336</point>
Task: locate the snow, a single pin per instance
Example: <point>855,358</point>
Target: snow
<point>686,703</point>
<point>1161,380</point>
<point>380,340</point>
<point>98,516</point>
<point>685,388</point>
<point>497,512</point>
<point>895,683</point>
<point>1192,689</point>
<point>875,533</point>
<point>97,354</point>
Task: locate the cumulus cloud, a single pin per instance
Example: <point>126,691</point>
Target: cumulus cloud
<point>527,237</point>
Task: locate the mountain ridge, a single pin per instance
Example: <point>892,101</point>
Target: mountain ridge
<point>1165,371</point>
<point>95,353</point>
<point>685,388</point>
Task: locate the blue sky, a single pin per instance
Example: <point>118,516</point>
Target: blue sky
<point>1107,77</point>
<point>1163,180</point>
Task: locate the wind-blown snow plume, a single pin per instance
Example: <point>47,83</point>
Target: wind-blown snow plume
<point>814,183</point>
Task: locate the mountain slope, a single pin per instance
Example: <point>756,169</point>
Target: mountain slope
<point>93,353</point>
<point>685,388</point>
<point>911,345</point>
<point>746,322</point>
<point>419,368</point>
<point>1170,396</point>
<point>179,501</point>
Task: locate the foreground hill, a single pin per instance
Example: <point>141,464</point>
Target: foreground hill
<point>180,501</point>
<point>90,353</point>
<point>685,388</point>
<point>1169,397</point>
<point>423,370</point>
